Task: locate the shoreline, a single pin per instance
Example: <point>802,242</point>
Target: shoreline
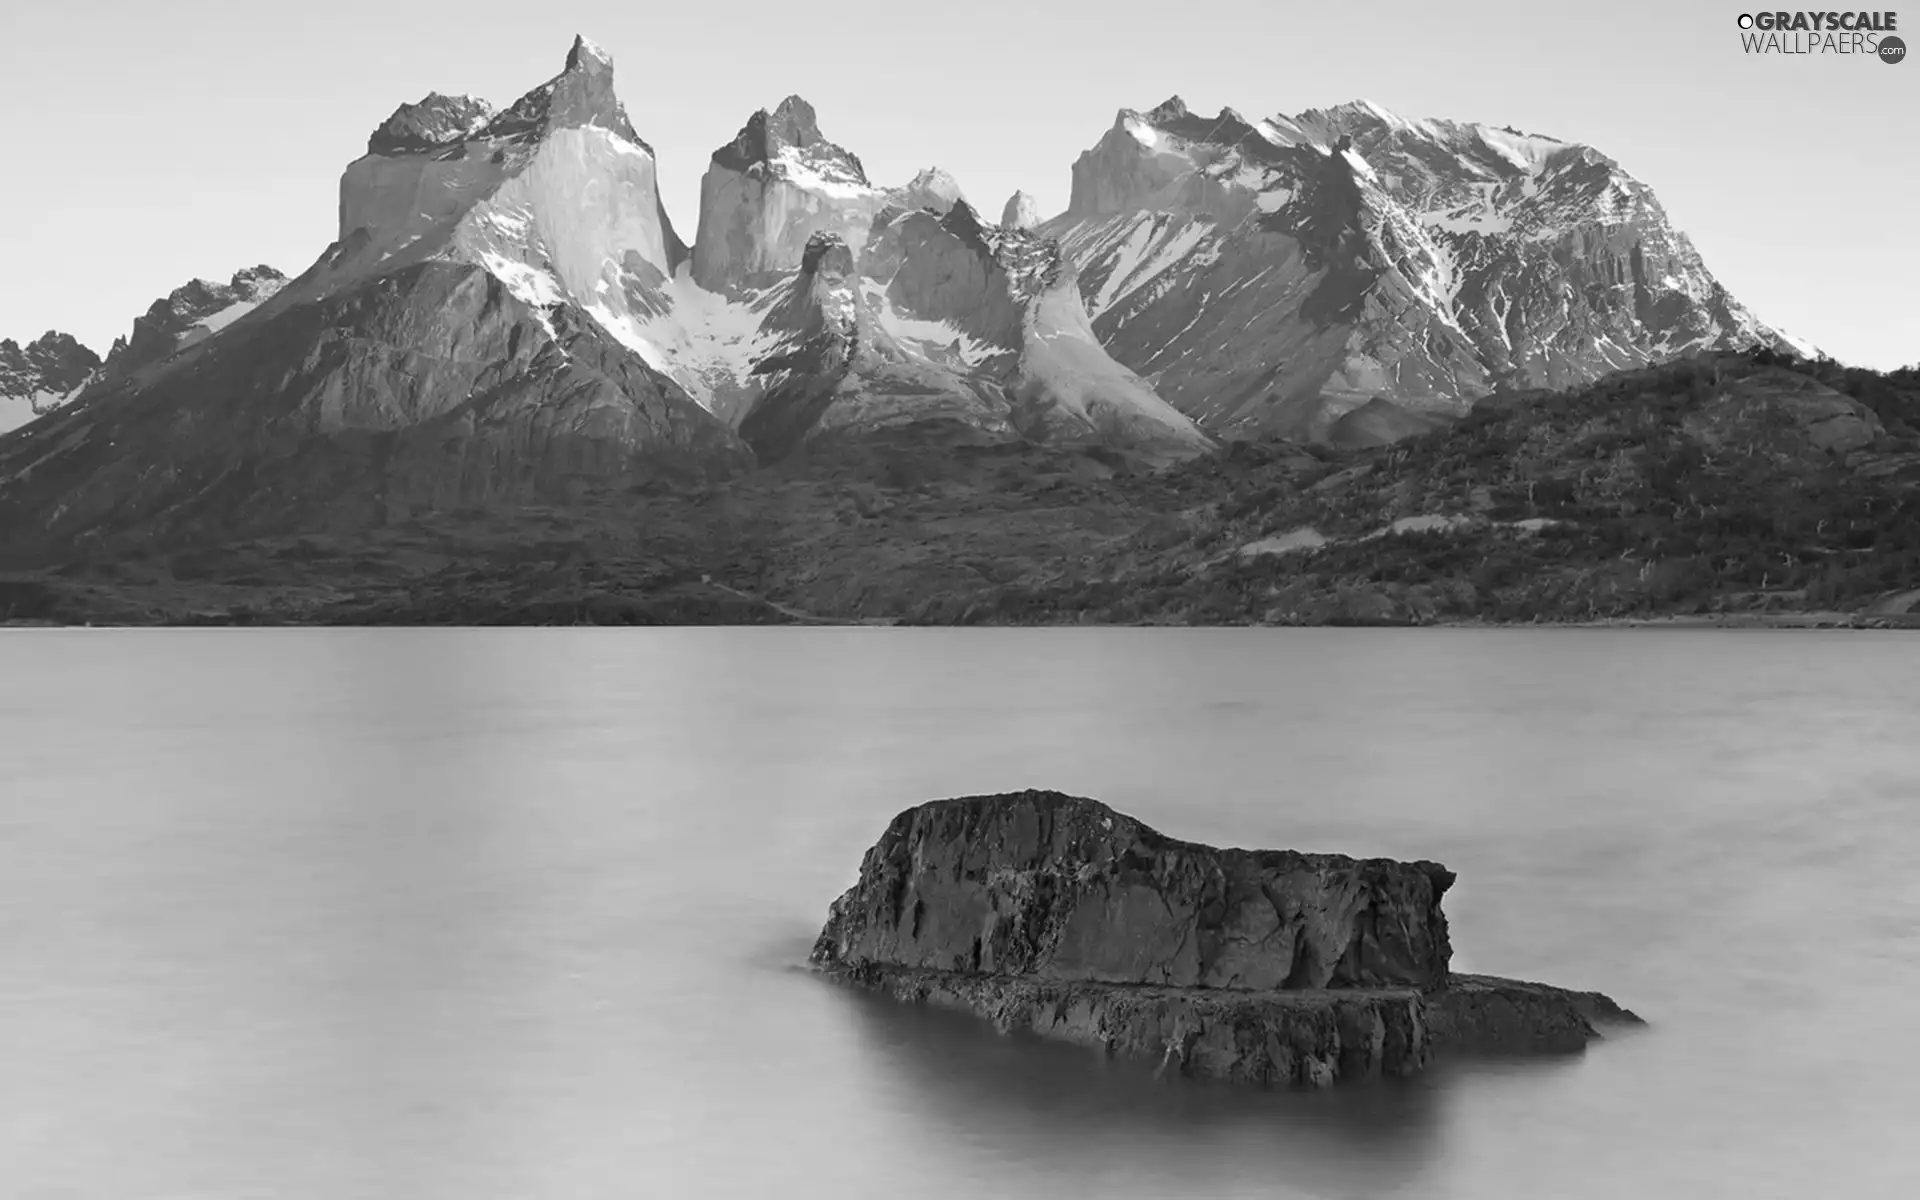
<point>1730,622</point>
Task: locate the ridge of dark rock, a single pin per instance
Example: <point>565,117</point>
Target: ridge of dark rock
<point>436,120</point>
<point>177,318</point>
<point>54,363</point>
<point>1171,109</point>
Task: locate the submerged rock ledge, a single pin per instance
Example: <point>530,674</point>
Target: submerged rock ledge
<point>1057,916</point>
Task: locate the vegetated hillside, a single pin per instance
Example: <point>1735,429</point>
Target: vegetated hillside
<point>1735,484</point>
<point>1721,484</point>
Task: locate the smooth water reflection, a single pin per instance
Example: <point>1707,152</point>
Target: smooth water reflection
<point>323,915</point>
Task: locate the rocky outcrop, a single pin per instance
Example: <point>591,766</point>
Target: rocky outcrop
<point>932,189</point>
<point>1021,212</point>
<point>197,310</point>
<point>1270,276</point>
<point>767,192</point>
<point>1058,887</point>
<point>1057,915</point>
<point>436,121</point>
<point>41,376</point>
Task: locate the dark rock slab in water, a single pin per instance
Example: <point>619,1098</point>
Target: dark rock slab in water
<point>1484,1014</point>
<point>1057,916</point>
<point>1058,887</point>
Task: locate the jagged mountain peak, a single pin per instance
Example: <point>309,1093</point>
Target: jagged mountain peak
<point>1021,211</point>
<point>581,96</point>
<point>935,180</point>
<point>53,353</point>
<point>191,313</point>
<point>40,376</point>
<point>1173,108</point>
<point>436,120</point>
<point>786,142</point>
<point>776,183</point>
<point>963,220</point>
<point>1172,117</point>
<point>1269,276</point>
<point>586,54</point>
<point>794,122</point>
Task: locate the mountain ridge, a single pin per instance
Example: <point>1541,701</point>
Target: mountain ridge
<point>1342,276</point>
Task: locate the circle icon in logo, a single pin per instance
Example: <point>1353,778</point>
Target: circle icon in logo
<point>1892,50</point>
<point>1745,21</point>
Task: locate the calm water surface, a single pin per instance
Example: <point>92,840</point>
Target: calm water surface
<point>515,915</point>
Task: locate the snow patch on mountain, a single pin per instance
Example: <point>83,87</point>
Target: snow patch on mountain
<point>823,176</point>
<point>1064,362</point>
<point>1269,272</point>
<point>940,342</point>
<point>1527,152</point>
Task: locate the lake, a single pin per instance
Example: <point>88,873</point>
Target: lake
<point>520,914</point>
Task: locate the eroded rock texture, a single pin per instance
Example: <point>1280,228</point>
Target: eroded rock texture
<point>1059,887</point>
<point>1057,916</point>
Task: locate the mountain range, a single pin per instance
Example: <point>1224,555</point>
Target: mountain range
<point>508,316</point>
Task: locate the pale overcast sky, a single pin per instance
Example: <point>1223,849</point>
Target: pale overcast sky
<point>155,141</point>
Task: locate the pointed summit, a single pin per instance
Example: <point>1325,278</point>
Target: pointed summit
<point>772,187</point>
<point>581,96</point>
<point>585,53</point>
<point>794,122</point>
<point>790,132</point>
<point>1020,213</point>
<point>1171,109</point>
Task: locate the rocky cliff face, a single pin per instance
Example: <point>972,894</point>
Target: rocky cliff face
<point>1271,276</point>
<point>1057,916</point>
<point>477,333</point>
<point>39,377</point>
<point>946,319</point>
<point>833,367</point>
<point>767,192</point>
